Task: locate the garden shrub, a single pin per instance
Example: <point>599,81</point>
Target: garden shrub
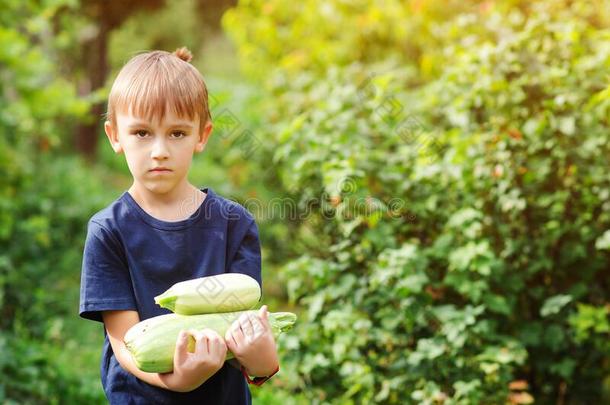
<point>454,236</point>
<point>45,199</point>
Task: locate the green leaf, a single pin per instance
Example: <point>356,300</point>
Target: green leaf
<point>554,304</point>
<point>603,242</point>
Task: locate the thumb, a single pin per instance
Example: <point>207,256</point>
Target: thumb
<point>263,313</point>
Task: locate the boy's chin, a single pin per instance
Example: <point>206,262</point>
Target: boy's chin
<point>158,187</point>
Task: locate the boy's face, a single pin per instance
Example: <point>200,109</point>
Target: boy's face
<point>149,145</point>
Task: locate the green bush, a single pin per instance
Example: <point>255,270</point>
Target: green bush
<point>454,229</point>
<point>45,201</point>
<point>41,337</point>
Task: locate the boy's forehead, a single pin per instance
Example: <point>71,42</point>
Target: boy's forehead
<point>129,117</point>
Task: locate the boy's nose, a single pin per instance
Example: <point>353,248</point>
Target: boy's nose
<point>159,150</point>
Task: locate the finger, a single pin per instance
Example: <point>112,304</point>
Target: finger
<point>263,312</point>
<point>238,333</point>
<point>213,340</point>
<point>235,322</point>
<point>212,334</point>
<point>246,325</point>
<point>230,340</point>
<point>180,352</point>
<point>218,345</point>
<point>263,317</point>
<point>203,344</point>
<point>266,323</point>
<point>229,336</point>
<point>258,326</point>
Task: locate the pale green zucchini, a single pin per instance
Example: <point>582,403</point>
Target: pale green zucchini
<point>213,294</point>
<point>152,342</point>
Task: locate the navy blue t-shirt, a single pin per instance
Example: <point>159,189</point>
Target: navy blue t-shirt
<point>131,256</point>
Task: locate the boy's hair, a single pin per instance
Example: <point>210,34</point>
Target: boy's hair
<point>152,82</point>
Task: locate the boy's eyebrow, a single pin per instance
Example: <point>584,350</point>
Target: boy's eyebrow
<point>178,124</point>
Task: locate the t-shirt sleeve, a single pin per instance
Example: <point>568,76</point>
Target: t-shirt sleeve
<point>105,280</point>
<point>247,256</point>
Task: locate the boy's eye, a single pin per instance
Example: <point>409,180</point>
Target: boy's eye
<point>141,133</point>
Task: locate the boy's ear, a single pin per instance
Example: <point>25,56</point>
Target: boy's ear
<point>113,137</point>
<point>204,135</point>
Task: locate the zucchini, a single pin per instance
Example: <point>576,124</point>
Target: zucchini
<point>225,292</point>
<point>152,342</point>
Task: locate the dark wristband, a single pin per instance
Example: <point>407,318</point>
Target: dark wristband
<point>258,381</point>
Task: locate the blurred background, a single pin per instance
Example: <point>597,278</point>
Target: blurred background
<point>431,182</point>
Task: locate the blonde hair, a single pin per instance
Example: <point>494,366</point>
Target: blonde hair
<point>152,82</point>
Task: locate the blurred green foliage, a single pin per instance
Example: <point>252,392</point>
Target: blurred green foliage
<point>49,354</point>
<point>174,26</point>
<point>450,161</point>
<point>431,177</point>
<point>43,215</point>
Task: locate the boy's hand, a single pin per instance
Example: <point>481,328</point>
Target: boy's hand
<point>251,341</point>
<point>193,369</point>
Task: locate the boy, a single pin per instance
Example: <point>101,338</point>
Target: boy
<point>164,230</point>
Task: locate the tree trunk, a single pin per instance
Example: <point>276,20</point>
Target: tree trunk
<point>96,62</point>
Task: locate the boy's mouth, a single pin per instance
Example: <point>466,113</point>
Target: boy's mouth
<point>160,169</point>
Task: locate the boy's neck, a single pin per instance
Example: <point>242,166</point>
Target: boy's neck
<point>175,206</point>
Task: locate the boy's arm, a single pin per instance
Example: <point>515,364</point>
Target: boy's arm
<point>117,323</point>
<point>190,370</point>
